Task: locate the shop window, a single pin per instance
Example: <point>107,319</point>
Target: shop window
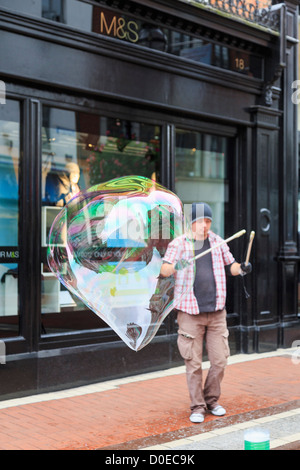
<point>201,172</point>
<point>9,217</point>
<point>80,150</point>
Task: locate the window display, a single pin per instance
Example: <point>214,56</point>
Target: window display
<point>9,217</point>
<point>80,150</point>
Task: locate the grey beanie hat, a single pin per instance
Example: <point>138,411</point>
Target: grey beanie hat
<point>201,210</point>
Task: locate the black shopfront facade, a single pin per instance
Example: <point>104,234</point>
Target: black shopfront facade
<point>191,94</point>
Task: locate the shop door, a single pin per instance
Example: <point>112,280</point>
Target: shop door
<point>267,233</point>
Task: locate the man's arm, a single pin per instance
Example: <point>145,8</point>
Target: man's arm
<point>237,269</point>
<point>167,269</point>
<point>173,253</point>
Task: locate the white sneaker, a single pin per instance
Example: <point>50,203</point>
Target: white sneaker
<point>218,411</point>
<point>197,417</point>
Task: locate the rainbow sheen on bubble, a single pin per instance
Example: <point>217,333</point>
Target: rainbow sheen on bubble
<point>107,245</point>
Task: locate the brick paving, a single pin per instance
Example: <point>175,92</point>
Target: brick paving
<point>148,410</point>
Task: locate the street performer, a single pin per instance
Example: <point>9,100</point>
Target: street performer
<point>201,312</point>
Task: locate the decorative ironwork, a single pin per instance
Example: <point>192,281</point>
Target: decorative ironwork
<point>255,11</point>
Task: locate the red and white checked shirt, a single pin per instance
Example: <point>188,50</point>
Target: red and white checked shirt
<point>181,249</point>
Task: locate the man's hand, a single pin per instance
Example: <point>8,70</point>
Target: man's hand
<point>246,269</point>
<point>182,264</point>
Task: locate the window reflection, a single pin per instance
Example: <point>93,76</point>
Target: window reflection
<point>80,150</point>
<point>53,10</point>
<point>201,172</point>
<point>9,217</point>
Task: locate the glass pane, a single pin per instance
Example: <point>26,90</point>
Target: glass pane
<point>201,172</point>
<point>9,217</point>
<point>80,150</point>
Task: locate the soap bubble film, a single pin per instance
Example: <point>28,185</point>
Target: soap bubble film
<point>106,246</point>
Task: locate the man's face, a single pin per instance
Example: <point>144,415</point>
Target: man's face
<point>201,228</point>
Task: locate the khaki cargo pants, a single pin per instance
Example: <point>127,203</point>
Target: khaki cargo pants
<point>193,329</point>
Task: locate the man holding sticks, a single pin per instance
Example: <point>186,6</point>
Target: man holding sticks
<point>201,312</point>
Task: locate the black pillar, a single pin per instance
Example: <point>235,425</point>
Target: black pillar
<point>288,256</point>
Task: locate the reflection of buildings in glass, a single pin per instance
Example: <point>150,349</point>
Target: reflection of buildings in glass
<point>52,10</point>
<point>153,37</point>
<point>202,53</point>
<point>61,186</point>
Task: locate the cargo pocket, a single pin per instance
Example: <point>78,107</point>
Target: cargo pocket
<point>226,343</point>
<point>185,343</point>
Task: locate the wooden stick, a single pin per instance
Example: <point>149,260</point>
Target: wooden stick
<point>252,235</point>
<point>236,235</point>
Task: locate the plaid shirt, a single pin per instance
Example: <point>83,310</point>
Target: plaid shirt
<point>181,248</point>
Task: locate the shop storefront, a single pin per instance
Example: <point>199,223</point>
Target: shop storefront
<point>195,95</point>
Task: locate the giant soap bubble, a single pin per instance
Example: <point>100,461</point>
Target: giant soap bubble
<point>106,246</point>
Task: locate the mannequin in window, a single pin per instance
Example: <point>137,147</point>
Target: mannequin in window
<point>61,186</point>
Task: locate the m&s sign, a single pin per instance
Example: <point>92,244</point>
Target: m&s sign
<point>119,27</point>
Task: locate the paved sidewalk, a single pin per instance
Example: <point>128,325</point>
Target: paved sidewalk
<point>151,411</point>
